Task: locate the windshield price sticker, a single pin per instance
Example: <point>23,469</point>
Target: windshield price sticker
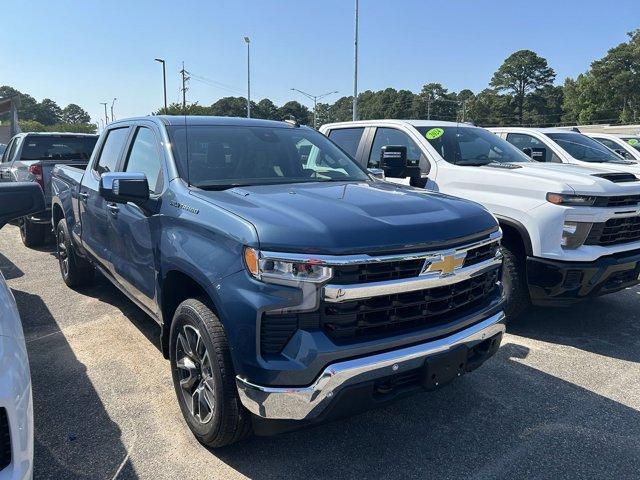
<point>633,141</point>
<point>434,133</point>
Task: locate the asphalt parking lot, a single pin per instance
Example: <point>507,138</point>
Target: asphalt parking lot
<point>560,399</point>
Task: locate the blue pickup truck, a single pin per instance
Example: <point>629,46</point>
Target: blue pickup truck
<point>291,285</point>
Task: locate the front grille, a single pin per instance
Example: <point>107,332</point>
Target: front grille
<point>5,440</point>
<point>614,231</point>
<point>389,314</point>
<point>617,201</point>
<point>392,314</point>
<point>399,269</point>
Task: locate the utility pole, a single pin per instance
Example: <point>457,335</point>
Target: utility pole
<point>114,101</point>
<point>164,82</point>
<point>464,111</point>
<point>248,42</point>
<point>355,67</point>
<point>315,99</point>
<point>106,117</point>
<point>184,89</point>
<point>428,106</point>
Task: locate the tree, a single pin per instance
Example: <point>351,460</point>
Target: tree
<point>435,102</point>
<point>521,73</point>
<point>230,107</point>
<point>266,109</point>
<point>48,112</point>
<point>74,114</point>
<point>299,111</point>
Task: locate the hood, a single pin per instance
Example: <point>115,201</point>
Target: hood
<point>621,166</point>
<point>564,177</point>
<point>344,218</point>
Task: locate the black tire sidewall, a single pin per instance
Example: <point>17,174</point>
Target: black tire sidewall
<point>186,315</point>
<point>61,228</point>
<point>514,283</point>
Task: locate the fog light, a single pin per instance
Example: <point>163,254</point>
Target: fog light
<point>574,234</point>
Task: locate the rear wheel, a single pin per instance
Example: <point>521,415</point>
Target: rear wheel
<point>204,378</point>
<point>75,271</point>
<point>514,280</point>
<point>32,234</point>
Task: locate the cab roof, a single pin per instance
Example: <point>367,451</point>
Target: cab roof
<point>202,120</point>
<point>415,123</point>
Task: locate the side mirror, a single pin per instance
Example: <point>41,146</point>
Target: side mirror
<point>377,173</point>
<point>393,160</point>
<point>539,154</point>
<point>528,152</point>
<point>19,199</point>
<point>621,152</point>
<point>123,187</point>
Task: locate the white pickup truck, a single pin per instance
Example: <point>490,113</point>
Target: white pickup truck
<point>627,146</point>
<point>570,231</point>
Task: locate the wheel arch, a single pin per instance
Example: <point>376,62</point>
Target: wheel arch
<point>57,214</point>
<point>514,229</point>
<point>177,286</point>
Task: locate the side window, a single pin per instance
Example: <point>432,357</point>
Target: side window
<point>391,136</point>
<point>111,149</point>
<point>8,153</point>
<point>536,149</point>
<point>144,158</point>
<point>348,139</point>
<point>615,147</point>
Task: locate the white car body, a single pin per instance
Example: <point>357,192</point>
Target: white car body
<point>627,145</point>
<point>516,196</point>
<point>15,389</point>
<point>560,154</point>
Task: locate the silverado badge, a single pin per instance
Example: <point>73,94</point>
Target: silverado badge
<point>445,264</point>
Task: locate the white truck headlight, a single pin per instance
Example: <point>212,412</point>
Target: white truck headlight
<point>271,268</point>
<point>571,200</point>
<point>574,234</point>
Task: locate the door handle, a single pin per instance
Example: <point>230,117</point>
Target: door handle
<point>83,196</point>
<point>113,209</point>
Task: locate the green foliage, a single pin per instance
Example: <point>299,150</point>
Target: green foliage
<point>35,126</point>
<point>75,114</point>
<point>522,73</point>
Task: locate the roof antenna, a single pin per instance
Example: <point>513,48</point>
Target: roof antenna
<point>292,121</point>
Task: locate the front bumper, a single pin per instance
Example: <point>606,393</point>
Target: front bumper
<point>553,282</point>
<point>309,402</point>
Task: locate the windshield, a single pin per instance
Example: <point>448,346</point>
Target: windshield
<point>584,148</point>
<point>631,141</point>
<point>218,157</point>
<point>58,147</point>
<point>471,146</point>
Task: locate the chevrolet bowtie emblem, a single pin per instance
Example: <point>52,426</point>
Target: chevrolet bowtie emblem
<point>445,264</point>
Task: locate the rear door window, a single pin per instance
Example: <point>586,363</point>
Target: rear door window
<point>111,150</point>
<point>348,139</point>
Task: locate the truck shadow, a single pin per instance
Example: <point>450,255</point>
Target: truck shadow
<point>9,269</point>
<point>506,420</point>
<point>74,436</point>
<point>608,326</point>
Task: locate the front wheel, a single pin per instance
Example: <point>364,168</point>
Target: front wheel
<point>514,281</point>
<point>203,376</point>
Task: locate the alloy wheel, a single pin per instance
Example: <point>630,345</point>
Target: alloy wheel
<point>195,373</point>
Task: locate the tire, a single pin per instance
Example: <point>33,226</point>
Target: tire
<point>203,376</point>
<point>75,271</point>
<point>514,281</point>
<point>32,234</point>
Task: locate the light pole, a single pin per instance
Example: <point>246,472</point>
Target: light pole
<point>106,116</point>
<point>315,99</point>
<point>114,101</point>
<point>355,67</point>
<point>248,41</point>
<point>164,82</point>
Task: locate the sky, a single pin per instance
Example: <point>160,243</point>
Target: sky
<point>90,51</point>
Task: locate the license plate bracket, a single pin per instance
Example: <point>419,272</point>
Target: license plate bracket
<point>442,368</point>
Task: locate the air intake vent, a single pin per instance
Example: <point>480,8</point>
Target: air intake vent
<point>5,440</point>
<point>617,177</point>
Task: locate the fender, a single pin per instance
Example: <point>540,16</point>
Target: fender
<point>521,229</point>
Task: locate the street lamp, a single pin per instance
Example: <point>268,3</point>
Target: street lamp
<point>355,66</point>
<point>164,82</point>
<point>315,99</point>
<point>248,42</point>
<point>106,116</point>
<point>114,101</point>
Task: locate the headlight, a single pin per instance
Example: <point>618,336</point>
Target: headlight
<point>574,234</point>
<point>568,199</point>
<point>280,270</point>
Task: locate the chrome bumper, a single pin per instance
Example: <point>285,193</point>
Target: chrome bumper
<point>303,403</point>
